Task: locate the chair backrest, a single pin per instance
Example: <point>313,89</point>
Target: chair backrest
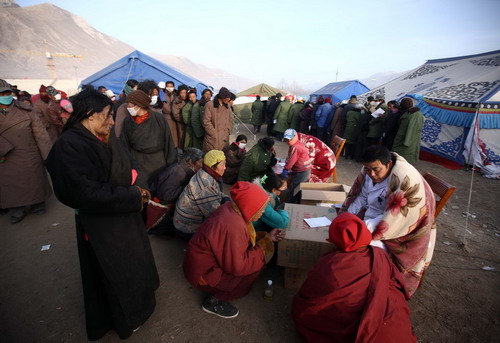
<point>337,146</point>
<point>441,188</point>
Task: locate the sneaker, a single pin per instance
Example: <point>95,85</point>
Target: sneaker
<point>15,220</point>
<point>222,309</point>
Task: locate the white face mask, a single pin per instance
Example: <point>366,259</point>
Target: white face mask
<point>242,145</point>
<point>154,99</point>
<point>132,111</point>
<point>170,89</point>
<point>58,96</point>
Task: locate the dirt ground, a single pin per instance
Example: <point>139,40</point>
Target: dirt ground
<point>41,295</point>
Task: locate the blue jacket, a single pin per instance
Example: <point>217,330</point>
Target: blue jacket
<point>272,217</point>
<point>323,113</point>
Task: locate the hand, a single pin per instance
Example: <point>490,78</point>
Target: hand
<point>146,196</point>
<point>277,235</point>
<point>284,173</point>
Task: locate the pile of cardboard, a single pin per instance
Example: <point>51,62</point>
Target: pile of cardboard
<point>303,245</point>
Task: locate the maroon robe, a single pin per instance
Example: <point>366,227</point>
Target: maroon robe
<point>356,296</point>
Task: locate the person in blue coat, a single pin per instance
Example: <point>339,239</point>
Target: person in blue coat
<point>273,217</point>
<point>322,115</point>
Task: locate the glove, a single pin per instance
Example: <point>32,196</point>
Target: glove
<point>284,173</point>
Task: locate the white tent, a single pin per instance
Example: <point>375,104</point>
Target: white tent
<point>452,93</point>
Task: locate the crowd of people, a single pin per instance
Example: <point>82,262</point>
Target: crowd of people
<point>133,164</point>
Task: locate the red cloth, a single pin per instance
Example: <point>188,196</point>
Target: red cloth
<point>140,119</point>
<point>348,232</point>
<point>220,256</point>
<point>298,159</point>
<point>323,158</point>
<point>249,198</point>
<point>356,296</point>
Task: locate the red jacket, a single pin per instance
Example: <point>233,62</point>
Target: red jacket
<point>298,159</point>
<point>221,245</point>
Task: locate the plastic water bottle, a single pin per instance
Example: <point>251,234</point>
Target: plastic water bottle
<point>268,291</point>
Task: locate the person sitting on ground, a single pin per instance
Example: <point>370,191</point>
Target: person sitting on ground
<point>353,293</point>
<point>166,189</point>
<point>235,154</point>
<point>323,158</point>
<point>398,206</point>
<point>202,195</point>
<point>298,163</point>
<point>274,217</point>
<point>258,161</point>
<point>226,255</point>
<point>146,135</point>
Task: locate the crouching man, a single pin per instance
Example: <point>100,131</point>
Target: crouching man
<point>225,255</point>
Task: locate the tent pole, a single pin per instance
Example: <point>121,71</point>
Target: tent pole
<point>467,213</point>
<point>253,134</point>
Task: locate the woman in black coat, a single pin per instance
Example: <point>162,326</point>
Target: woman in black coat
<point>92,173</point>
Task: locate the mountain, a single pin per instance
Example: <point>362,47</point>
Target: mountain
<point>36,29</point>
<point>215,77</point>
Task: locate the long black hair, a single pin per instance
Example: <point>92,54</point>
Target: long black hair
<point>85,104</point>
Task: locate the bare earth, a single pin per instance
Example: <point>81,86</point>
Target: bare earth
<point>41,296</point>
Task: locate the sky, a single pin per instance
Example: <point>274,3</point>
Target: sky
<point>299,41</point>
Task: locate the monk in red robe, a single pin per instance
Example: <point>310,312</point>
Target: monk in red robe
<point>225,255</point>
<point>353,293</point>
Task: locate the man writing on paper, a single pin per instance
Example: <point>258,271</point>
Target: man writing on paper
<point>398,206</point>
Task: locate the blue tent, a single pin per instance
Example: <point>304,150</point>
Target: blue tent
<point>140,67</point>
<point>339,91</point>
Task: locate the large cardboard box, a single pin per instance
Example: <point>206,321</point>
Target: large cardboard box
<point>313,193</point>
<point>303,244</point>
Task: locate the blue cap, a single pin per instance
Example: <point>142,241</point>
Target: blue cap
<point>289,134</point>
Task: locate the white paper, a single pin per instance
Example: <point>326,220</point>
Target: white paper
<point>378,113</point>
<point>45,247</point>
<point>317,222</point>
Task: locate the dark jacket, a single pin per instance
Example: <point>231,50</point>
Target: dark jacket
<point>234,160</point>
<point>170,182</point>
<point>150,143</point>
<point>116,260</point>
<point>256,163</point>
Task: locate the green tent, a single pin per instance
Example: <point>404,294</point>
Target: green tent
<point>243,111</point>
<point>262,90</point>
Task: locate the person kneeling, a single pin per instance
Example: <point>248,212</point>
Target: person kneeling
<point>225,255</point>
<point>353,293</point>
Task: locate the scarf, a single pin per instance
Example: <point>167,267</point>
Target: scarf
<point>212,173</point>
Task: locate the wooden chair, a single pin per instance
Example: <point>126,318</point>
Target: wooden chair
<point>337,147</point>
<point>441,188</point>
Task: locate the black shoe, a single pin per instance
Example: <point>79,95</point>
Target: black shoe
<point>222,309</point>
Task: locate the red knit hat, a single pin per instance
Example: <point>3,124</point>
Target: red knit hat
<point>249,198</point>
<point>348,232</point>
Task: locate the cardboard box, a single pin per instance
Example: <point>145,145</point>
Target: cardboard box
<point>294,277</point>
<point>313,193</point>
<point>303,245</point>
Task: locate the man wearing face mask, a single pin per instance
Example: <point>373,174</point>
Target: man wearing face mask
<point>168,109</point>
<point>235,155</point>
<point>41,110</point>
<point>54,109</point>
<point>217,121</point>
<point>24,141</point>
<point>146,135</point>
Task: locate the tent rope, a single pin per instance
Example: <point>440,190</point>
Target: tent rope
<point>253,134</point>
<point>128,75</point>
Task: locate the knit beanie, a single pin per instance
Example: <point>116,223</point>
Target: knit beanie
<point>51,91</point>
<point>224,93</point>
<point>213,157</point>
<point>406,104</point>
<point>139,98</point>
<point>348,232</point>
<point>249,198</point>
